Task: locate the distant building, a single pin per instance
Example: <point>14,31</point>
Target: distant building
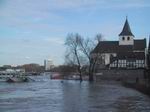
<point>33,67</point>
<point>127,53</point>
<point>48,64</point>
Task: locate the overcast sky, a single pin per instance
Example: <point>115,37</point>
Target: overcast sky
<point>34,30</point>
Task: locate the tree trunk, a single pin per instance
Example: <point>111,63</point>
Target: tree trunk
<point>91,79</point>
<point>81,78</point>
<point>80,74</point>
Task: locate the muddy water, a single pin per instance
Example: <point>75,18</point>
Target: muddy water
<point>45,95</point>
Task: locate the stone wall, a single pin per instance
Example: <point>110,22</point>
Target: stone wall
<point>129,75</point>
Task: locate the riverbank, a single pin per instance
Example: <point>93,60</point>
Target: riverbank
<point>143,88</point>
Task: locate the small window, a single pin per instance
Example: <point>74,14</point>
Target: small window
<point>123,38</point>
<point>128,38</point>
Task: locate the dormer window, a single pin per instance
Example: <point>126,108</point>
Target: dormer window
<point>123,38</point>
<point>128,38</point>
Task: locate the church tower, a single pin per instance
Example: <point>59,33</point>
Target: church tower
<point>126,36</point>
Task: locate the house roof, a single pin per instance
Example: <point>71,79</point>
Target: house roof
<point>126,31</point>
<point>106,46</point>
<point>140,44</point>
<point>114,47</point>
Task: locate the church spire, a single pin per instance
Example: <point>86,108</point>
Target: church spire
<point>126,29</point>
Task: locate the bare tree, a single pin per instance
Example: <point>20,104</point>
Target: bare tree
<point>72,43</point>
<point>87,46</point>
<point>80,49</point>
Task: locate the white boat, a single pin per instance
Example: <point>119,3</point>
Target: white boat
<point>13,77</point>
<point>4,77</point>
<point>17,79</point>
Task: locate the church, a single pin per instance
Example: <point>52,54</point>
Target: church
<point>126,53</point>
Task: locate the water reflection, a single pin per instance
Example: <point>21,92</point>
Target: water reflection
<point>45,95</point>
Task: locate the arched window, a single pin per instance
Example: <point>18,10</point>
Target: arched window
<point>123,38</point>
<point>128,38</point>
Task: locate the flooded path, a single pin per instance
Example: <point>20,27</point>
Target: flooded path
<point>46,95</point>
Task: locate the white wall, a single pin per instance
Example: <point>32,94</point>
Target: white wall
<point>107,57</point>
<point>126,41</point>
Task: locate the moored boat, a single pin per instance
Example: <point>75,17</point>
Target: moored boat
<point>14,76</point>
<point>17,79</point>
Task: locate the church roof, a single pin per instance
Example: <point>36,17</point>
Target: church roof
<point>106,46</point>
<point>114,47</point>
<point>140,44</point>
<point>126,31</point>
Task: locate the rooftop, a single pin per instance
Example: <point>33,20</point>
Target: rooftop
<point>114,47</point>
<point>126,31</point>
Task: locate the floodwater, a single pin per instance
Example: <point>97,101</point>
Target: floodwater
<point>45,95</point>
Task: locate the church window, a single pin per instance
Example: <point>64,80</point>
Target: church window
<point>128,38</point>
<point>123,38</point>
